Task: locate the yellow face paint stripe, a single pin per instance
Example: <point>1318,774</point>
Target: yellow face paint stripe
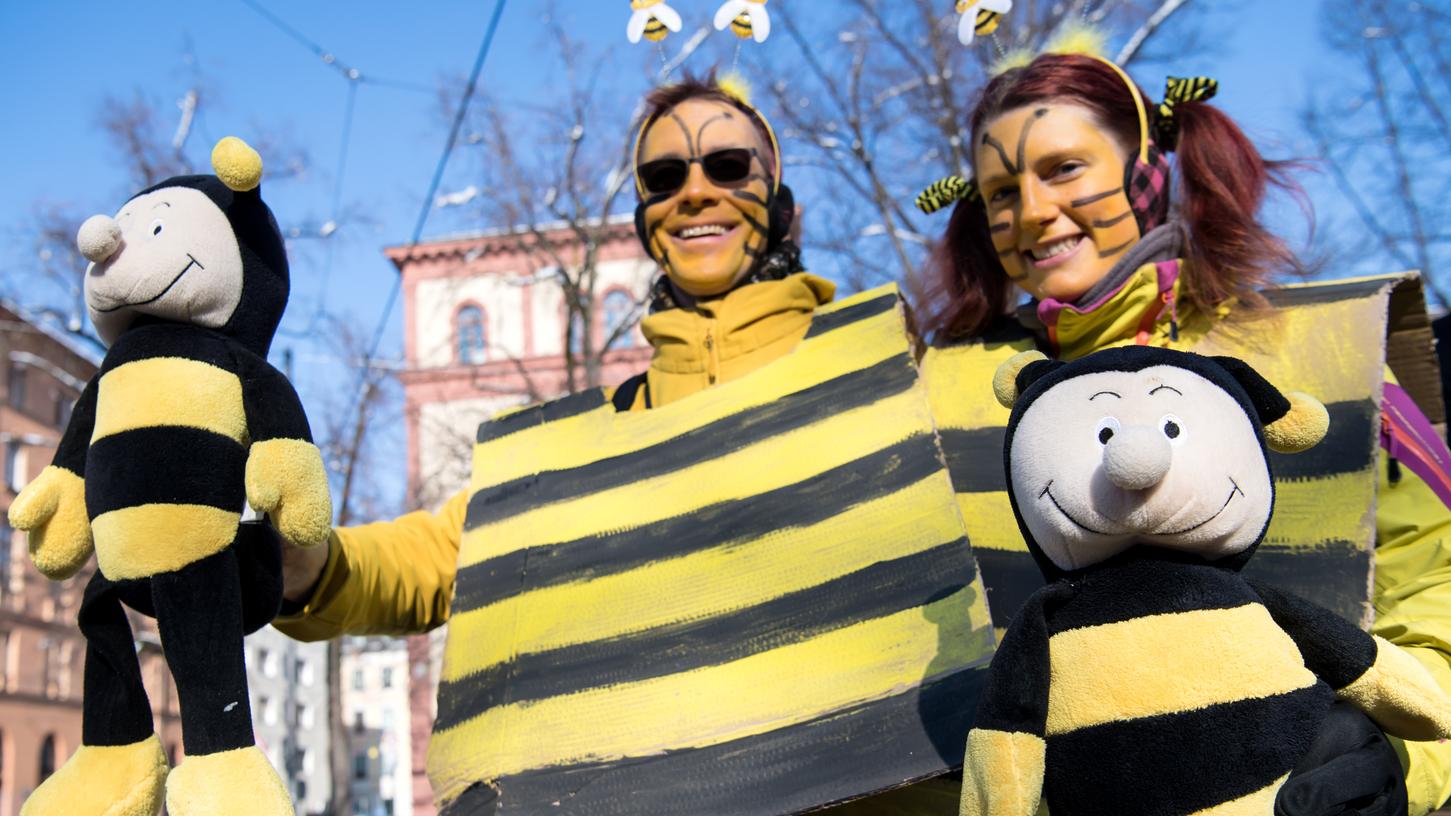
<point>771,464</point>
<point>848,667</point>
<point>137,542</point>
<point>604,433</point>
<point>1155,665</point>
<point>689,588</point>
<point>148,394</point>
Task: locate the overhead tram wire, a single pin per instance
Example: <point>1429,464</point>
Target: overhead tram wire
<point>354,78</point>
<point>458,118</point>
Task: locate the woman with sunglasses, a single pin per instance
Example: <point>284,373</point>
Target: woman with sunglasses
<point>716,217</point>
<point>1071,207</point>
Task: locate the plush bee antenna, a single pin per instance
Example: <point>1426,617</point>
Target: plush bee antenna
<point>237,164</point>
<point>1301,428</point>
<point>1005,380</point>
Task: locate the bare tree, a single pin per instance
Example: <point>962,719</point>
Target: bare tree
<point>877,111</point>
<point>1382,130</point>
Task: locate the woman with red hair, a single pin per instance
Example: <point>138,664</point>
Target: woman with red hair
<point>1071,206</point>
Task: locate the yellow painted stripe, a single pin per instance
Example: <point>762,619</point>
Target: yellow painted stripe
<point>781,460</point>
<point>1261,801</point>
<point>170,391</point>
<point>136,542</point>
<point>733,576</point>
<point>1306,512</point>
<point>989,520</point>
<point>960,384</point>
<point>708,706</point>
<point>1293,350</point>
<point>604,433</point>
<point>1313,510</point>
<point>1156,665</point>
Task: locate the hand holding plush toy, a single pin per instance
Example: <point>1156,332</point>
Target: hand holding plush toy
<point>185,421</point>
<point>1149,676</point>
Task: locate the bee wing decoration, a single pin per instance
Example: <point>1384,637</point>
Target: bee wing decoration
<point>728,11</point>
<point>636,27</point>
<point>668,16</point>
<point>1000,6</point>
<point>760,21</point>
<point>966,22</point>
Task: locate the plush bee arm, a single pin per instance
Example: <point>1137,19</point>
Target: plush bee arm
<point>285,477</point>
<point>52,508</point>
<point>1370,672</point>
<point>1002,773</point>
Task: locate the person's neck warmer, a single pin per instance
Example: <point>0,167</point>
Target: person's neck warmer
<point>1136,302</point>
<point>724,338</point>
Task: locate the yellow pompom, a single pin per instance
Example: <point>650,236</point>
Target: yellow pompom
<point>1302,428</point>
<point>1078,38</point>
<point>237,164</point>
<point>735,86</point>
<point>1005,379</point>
<point>1016,58</point>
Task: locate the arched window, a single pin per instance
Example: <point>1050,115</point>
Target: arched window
<point>619,309</point>
<point>469,328</point>
<point>577,329</point>
<point>47,758</point>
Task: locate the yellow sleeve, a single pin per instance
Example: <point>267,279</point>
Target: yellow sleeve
<point>386,578</point>
<point>1413,610</point>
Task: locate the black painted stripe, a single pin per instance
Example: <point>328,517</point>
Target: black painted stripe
<point>1348,447</point>
<point>823,323</point>
<point>1195,759</point>
<point>884,588</point>
<point>975,458</point>
<point>168,465</point>
<point>735,432</point>
<point>802,504</point>
<point>1335,574</point>
<point>172,340</point>
<point>564,408</point>
<point>1325,293</point>
<point>843,755</point>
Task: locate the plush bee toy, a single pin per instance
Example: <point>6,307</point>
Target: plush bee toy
<point>1149,676</point>
<point>184,423</point>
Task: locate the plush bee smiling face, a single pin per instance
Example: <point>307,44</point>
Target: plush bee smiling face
<point>1143,446</point>
<point>169,253</point>
<point>1159,456</point>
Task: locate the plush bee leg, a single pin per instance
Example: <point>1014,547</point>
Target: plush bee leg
<point>1002,773</point>
<point>1377,676</point>
<point>199,612</point>
<point>120,769</point>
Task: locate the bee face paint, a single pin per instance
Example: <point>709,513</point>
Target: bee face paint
<point>1052,183</point>
<point>707,233</point>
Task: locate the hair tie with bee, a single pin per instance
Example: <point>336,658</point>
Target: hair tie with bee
<point>651,19</point>
<point>945,191</point>
<point>1177,90</point>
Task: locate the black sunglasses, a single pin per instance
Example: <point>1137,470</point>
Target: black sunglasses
<point>664,176</point>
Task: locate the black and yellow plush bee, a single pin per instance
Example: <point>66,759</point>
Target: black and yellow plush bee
<point>1149,676</point>
<point>184,423</point>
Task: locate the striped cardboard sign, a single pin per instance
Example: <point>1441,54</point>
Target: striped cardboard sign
<point>758,600</point>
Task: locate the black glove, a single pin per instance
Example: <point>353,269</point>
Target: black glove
<point>1351,770</point>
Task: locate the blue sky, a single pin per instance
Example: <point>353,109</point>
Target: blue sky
<point>62,59</point>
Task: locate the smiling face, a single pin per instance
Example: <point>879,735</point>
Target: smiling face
<point>1052,181</point>
<point>177,259</point>
<point>1160,456</point>
<point>706,232</point>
